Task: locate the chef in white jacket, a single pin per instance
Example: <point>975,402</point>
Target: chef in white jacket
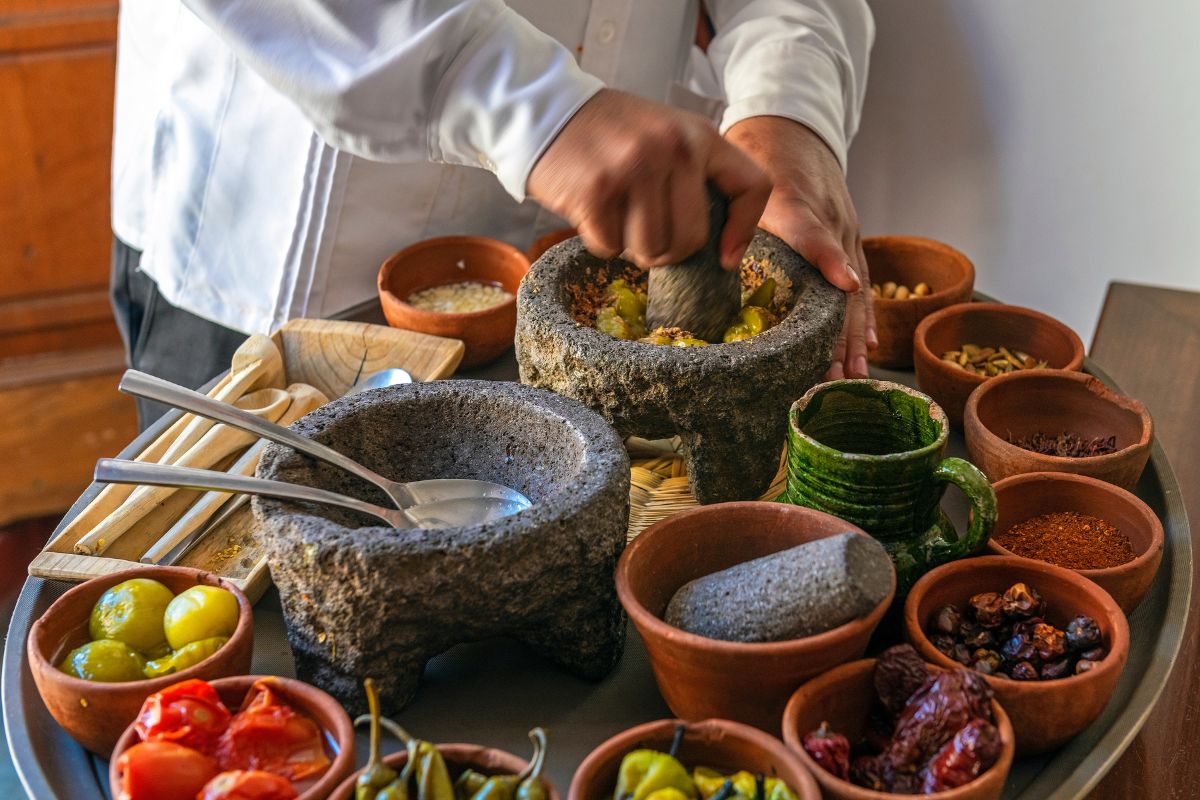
<point>270,154</point>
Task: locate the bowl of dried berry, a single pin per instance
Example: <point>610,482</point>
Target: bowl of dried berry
<point>960,347</point>
<point>873,728</point>
<point>911,277</point>
<point>460,287</point>
<point>1049,642</point>
<point>1056,421</point>
<point>1101,531</point>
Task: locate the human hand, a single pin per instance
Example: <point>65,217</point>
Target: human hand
<point>811,210</point>
<point>629,174</point>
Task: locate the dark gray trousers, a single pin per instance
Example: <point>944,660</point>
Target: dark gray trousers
<point>161,339</point>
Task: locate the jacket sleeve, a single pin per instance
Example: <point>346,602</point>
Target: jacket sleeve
<point>805,60</point>
<point>466,82</point>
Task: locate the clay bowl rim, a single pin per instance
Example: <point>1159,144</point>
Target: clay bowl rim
<point>420,315</point>
<point>644,618</point>
<point>1118,635</point>
<point>622,742</point>
<point>39,661</point>
<point>974,426</point>
<point>793,737</point>
<point>964,284</point>
<point>298,693</point>
<point>454,753</point>
<point>933,362</point>
<point>936,412</point>
<point>1157,533</point>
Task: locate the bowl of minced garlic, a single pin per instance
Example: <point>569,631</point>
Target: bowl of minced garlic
<point>459,287</point>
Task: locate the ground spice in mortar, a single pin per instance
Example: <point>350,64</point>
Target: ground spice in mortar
<point>1071,445</point>
<point>1069,539</point>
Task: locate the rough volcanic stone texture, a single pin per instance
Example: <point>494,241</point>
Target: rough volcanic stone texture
<point>807,589</point>
<point>362,600</point>
<point>728,402</point>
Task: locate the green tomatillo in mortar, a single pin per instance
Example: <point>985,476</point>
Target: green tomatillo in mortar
<point>873,453</point>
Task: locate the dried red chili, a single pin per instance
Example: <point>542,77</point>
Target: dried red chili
<point>830,750</point>
<point>1069,539</point>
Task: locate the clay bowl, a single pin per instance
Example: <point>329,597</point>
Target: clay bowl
<point>1022,497</point>
<point>1021,403</point>
<point>459,757</point>
<point>910,260</point>
<point>308,700</point>
<point>745,681</point>
<point>544,243</point>
<point>450,259</point>
<point>94,713</point>
<point>1044,714</point>
<point>986,325</point>
<point>717,743</point>
<point>844,697</point>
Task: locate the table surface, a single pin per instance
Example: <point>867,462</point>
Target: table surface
<point>485,692</point>
<point>1148,340</point>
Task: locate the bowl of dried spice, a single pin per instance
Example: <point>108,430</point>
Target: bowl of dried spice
<point>1057,421</point>
<point>960,347</point>
<point>1103,532</point>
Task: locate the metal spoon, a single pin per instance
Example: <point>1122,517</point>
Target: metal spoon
<point>404,495</point>
<point>378,380</point>
<point>444,514</point>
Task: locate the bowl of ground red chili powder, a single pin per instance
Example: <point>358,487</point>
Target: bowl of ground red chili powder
<point>1101,531</point>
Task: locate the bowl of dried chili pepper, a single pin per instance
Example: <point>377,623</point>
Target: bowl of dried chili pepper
<point>1050,643</point>
<point>874,728</point>
<point>245,736</point>
<point>1101,531</point>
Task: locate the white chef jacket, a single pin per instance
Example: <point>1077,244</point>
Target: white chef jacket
<point>270,154</point>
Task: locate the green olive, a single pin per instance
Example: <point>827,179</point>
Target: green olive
<point>200,612</point>
<point>737,332</point>
<point>132,612</point>
<point>105,660</point>
<point>758,319</point>
<point>184,657</point>
<point>763,295</point>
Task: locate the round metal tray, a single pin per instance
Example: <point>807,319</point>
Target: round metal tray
<point>492,692</point>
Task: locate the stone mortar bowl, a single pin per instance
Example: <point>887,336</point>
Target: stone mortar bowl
<point>363,600</point>
<point>727,402</point>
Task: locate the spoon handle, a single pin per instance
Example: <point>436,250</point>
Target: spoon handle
<point>116,470</point>
<point>148,386</point>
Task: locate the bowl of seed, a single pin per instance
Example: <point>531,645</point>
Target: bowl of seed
<point>960,347</point>
<point>1057,421</point>
<point>1100,531</point>
<point>911,278</point>
<point>460,287</point>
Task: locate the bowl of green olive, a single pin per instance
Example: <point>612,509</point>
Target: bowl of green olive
<point>106,645</point>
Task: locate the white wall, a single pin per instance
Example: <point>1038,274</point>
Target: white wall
<point>1056,143</point>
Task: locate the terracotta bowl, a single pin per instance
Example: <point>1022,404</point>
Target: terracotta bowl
<point>844,697</point>
<point>93,713</point>
<point>1044,714</point>
<point>1021,403</point>
<point>544,243</point>
<point>910,260</point>
<point>745,681</point>
<point>486,334</point>
<point>459,757</point>
<point>309,700</point>
<point>1022,497</point>
<point>721,744</point>
<point>986,325</point>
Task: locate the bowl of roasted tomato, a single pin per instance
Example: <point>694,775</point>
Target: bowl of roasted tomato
<point>248,737</point>
<point>875,728</point>
<point>109,643</point>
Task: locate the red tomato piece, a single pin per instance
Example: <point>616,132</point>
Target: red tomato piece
<point>188,713</point>
<point>268,734</point>
<point>163,771</point>
<point>248,785</point>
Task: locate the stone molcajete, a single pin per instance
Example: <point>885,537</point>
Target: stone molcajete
<point>727,402</point>
<point>362,600</point>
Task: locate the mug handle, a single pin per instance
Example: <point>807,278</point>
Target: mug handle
<point>975,485</point>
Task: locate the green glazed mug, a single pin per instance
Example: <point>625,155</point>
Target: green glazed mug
<point>871,452</point>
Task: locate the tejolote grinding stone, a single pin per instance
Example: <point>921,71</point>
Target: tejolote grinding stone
<point>805,590</point>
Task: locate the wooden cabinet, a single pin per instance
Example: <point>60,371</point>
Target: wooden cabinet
<point>60,353</point>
